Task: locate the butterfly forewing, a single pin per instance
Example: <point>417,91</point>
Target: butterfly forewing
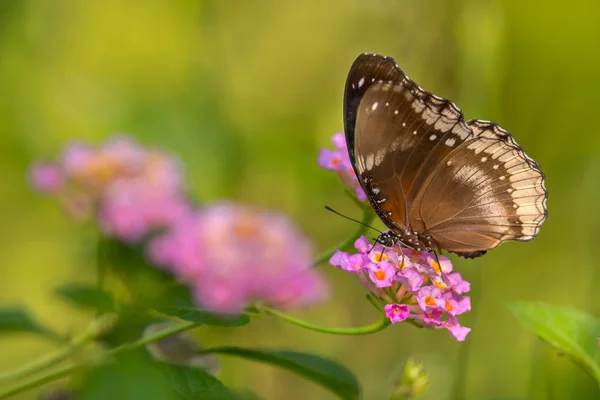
<point>366,70</point>
<point>468,185</point>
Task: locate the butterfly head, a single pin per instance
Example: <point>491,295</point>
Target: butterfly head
<point>411,240</point>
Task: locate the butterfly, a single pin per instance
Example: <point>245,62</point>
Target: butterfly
<point>435,180</point>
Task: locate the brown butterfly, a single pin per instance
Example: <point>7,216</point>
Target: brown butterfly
<point>436,181</point>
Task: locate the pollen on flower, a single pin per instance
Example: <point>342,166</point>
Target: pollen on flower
<point>449,307</point>
<point>436,266</point>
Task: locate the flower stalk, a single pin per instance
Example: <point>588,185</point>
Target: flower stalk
<point>362,330</point>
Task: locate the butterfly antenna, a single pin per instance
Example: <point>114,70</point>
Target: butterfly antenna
<point>351,219</point>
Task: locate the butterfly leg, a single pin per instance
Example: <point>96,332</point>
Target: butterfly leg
<point>440,265</point>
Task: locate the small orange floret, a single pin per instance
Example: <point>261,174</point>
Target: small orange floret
<point>436,267</point>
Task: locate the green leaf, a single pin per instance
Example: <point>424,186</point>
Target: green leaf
<point>196,383</point>
<point>133,377</point>
<point>87,296</point>
<point>320,370</point>
<point>17,319</point>
<point>177,302</point>
<point>572,332</point>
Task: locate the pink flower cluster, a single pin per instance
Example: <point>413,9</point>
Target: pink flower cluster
<point>131,190</point>
<point>338,160</point>
<point>229,255</point>
<point>411,284</point>
<point>232,255</point>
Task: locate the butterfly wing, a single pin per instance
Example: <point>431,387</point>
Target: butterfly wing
<point>398,134</point>
<point>483,193</point>
<point>366,70</point>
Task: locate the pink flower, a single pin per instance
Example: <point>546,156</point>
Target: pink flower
<point>233,255</point>
<point>459,332</point>
<point>397,312</point>
<point>382,274</point>
<point>430,297</point>
<point>411,278</point>
<point>457,284</point>
<point>129,189</point>
<point>338,160</point>
<point>431,293</point>
<point>46,177</point>
<point>444,264</point>
<point>131,208</point>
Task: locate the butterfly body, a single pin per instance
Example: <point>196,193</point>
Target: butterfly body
<point>436,181</point>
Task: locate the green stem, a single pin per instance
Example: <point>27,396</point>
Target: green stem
<point>367,218</point>
<point>363,330</point>
<point>68,370</point>
<point>61,354</point>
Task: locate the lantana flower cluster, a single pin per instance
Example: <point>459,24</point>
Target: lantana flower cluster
<point>413,285</point>
<point>129,189</point>
<point>230,255</point>
<point>338,160</point>
<point>234,255</point>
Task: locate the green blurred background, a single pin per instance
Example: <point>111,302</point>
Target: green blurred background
<point>246,93</point>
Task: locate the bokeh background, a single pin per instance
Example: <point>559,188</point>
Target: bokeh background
<point>246,93</point>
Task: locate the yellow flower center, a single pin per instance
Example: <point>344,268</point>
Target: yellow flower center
<point>449,306</point>
<point>380,275</point>
<point>379,256</point>
<point>440,285</point>
<point>436,266</point>
<point>430,301</point>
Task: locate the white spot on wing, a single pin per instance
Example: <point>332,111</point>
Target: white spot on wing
<point>450,142</point>
<point>361,82</point>
<point>432,137</point>
<point>374,106</point>
<point>370,160</point>
<point>380,156</point>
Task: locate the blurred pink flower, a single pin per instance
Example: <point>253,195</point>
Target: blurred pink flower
<point>338,160</point>
<point>46,177</point>
<point>130,189</point>
<point>232,255</point>
<point>417,286</point>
